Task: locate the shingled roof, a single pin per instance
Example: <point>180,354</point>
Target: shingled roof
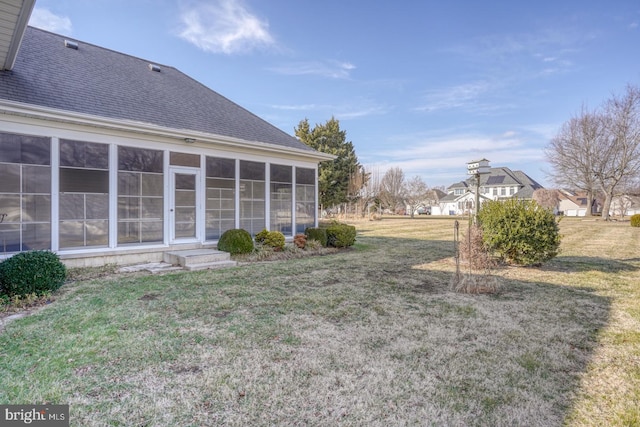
<point>84,78</point>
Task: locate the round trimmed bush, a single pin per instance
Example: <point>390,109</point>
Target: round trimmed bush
<point>33,272</point>
<point>318,234</point>
<point>275,240</point>
<point>519,232</point>
<point>261,236</point>
<point>236,241</point>
<point>341,235</point>
<point>635,220</point>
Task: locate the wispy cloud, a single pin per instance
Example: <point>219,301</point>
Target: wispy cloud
<point>223,26</point>
<point>468,97</point>
<point>354,110</point>
<point>331,69</point>
<point>49,21</point>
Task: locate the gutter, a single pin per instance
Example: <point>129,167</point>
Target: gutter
<point>14,108</point>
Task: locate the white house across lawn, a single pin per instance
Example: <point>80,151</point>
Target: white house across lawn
<point>105,157</point>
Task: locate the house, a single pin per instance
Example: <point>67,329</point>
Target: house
<point>625,205</point>
<point>574,203</point>
<point>106,157</point>
<point>500,183</point>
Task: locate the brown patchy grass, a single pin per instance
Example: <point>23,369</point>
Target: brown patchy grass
<point>370,336</point>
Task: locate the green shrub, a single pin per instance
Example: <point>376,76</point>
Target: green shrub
<point>519,232</point>
<point>261,236</point>
<point>341,235</point>
<point>33,272</point>
<point>635,220</point>
<point>275,240</point>
<point>236,241</point>
<point>317,234</point>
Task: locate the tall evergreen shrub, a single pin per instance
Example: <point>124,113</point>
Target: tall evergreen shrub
<point>519,232</point>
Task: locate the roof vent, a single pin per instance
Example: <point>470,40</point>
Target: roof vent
<point>70,44</point>
<point>154,67</point>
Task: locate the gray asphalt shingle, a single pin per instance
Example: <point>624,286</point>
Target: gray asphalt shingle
<point>101,82</point>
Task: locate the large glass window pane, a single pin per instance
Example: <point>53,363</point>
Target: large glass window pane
<point>221,191</point>
<point>305,199</point>
<point>281,198</point>
<point>25,193</point>
<point>84,194</point>
<point>140,195</point>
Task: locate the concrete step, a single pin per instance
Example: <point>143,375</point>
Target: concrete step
<point>199,259</point>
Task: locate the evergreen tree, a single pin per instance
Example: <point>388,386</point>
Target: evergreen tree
<point>334,176</point>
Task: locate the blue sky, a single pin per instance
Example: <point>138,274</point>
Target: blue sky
<point>422,85</point>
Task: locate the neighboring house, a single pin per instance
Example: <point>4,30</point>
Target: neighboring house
<point>104,155</point>
<point>625,205</point>
<point>431,200</point>
<point>500,183</point>
<point>574,203</point>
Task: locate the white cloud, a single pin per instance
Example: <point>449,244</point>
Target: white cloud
<point>49,21</point>
<point>223,26</point>
<point>331,69</point>
<point>469,97</point>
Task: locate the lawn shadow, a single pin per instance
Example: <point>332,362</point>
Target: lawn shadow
<point>585,263</point>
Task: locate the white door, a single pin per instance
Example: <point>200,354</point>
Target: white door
<point>183,204</point>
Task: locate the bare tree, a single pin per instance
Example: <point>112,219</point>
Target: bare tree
<point>369,192</point>
<point>415,193</point>
<point>599,150</point>
<point>392,188</point>
<point>620,149</point>
<point>573,153</point>
<point>547,198</point>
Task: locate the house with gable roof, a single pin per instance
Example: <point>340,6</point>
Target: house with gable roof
<point>500,183</point>
<point>106,157</point>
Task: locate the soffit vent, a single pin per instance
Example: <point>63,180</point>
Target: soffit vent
<point>154,67</point>
<point>70,44</point>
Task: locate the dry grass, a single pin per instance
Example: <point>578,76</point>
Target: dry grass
<point>371,336</point>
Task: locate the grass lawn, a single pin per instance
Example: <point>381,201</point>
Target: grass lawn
<point>370,336</point>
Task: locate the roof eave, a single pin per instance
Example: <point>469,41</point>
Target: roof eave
<point>22,19</point>
<point>63,116</point>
